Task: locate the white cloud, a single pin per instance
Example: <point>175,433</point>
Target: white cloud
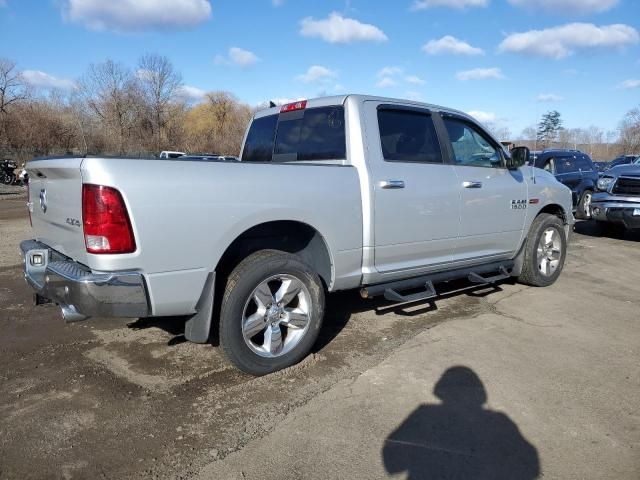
<point>458,4</point>
<point>386,82</point>
<point>480,74</point>
<point>483,117</point>
<point>414,79</point>
<point>562,41</point>
<point>567,6</point>
<point>389,71</point>
<point>549,97</point>
<point>338,29</point>
<point>391,76</point>
<point>317,73</point>
<point>237,56</point>
<point>189,93</point>
<point>136,15</point>
<point>37,78</point>
<point>629,84</point>
<point>450,45</point>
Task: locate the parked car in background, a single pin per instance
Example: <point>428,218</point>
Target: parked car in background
<point>169,154</point>
<point>622,160</point>
<point>601,166</point>
<point>617,201</point>
<point>347,192</point>
<point>210,157</point>
<point>574,169</point>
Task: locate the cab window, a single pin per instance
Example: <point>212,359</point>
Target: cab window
<point>472,147</point>
<point>408,136</point>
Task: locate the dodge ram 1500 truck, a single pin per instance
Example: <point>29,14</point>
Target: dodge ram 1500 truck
<point>389,196</point>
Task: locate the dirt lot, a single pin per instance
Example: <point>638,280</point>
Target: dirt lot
<point>130,398</point>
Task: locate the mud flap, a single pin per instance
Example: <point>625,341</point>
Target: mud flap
<point>198,326</point>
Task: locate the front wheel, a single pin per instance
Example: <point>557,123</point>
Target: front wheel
<point>271,312</point>
<point>544,252</point>
<point>584,205</point>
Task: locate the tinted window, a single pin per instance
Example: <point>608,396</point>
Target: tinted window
<point>471,147</point>
<point>566,165</point>
<point>584,163</point>
<point>407,136</point>
<point>312,134</point>
<point>259,144</point>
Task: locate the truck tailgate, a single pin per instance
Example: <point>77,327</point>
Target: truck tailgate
<point>55,196</point>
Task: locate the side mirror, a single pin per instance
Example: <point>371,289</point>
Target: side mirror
<point>519,157</point>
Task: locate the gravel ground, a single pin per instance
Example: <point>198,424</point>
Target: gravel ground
<point>113,398</point>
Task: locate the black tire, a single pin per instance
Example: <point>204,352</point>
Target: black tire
<point>531,274</point>
<point>240,285</point>
<point>584,211</point>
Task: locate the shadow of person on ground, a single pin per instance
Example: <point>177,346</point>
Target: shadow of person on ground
<point>459,438</point>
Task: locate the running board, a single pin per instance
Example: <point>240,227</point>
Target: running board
<point>391,290</point>
<point>477,278</point>
<point>393,296</point>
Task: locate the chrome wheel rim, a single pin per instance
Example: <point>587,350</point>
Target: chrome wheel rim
<point>549,252</point>
<point>276,316</point>
<point>586,204</point>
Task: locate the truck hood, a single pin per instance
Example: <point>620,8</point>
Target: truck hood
<point>623,170</point>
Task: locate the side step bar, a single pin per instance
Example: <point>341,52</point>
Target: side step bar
<point>477,278</point>
<point>393,296</point>
<point>391,290</point>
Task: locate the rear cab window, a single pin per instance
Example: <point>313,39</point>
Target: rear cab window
<point>408,136</point>
<point>311,134</point>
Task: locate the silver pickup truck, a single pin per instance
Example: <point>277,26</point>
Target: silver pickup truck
<point>389,196</point>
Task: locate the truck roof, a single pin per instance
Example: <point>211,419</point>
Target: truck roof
<point>341,99</point>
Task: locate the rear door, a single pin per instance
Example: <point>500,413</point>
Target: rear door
<point>568,173</point>
<point>493,198</point>
<point>55,202</point>
<point>415,195</point>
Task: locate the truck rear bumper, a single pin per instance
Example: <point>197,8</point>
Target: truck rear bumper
<point>80,292</point>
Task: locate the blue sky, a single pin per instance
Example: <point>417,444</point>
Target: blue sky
<point>508,61</point>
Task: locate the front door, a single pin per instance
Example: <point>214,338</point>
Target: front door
<point>415,196</point>
<point>494,199</point>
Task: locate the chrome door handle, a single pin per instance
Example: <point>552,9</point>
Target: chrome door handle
<point>472,184</point>
<point>391,184</point>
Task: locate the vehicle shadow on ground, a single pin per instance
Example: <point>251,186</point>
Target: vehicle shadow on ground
<point>339,309</point>
<point>459,438</point>
<point>592,229</point>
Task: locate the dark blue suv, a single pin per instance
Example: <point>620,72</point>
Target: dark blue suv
<point>574,169</point>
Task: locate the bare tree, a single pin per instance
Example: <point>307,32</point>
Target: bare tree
<point>109,91</point>
<point>630,132</point>
<point>159,85</point>
<point>12,86</point>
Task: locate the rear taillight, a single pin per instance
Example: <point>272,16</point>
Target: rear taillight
<point>107,228</point>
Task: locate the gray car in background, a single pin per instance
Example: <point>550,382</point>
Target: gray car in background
<point>348,192</point>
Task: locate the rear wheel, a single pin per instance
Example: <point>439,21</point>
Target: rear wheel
<point>544,252</point>
<point>584,205</point>
<point>271,312</point>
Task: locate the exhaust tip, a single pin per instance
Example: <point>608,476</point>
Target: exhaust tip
<point>70,314</point>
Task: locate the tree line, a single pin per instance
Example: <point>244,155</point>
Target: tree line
<point>115,109</point>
